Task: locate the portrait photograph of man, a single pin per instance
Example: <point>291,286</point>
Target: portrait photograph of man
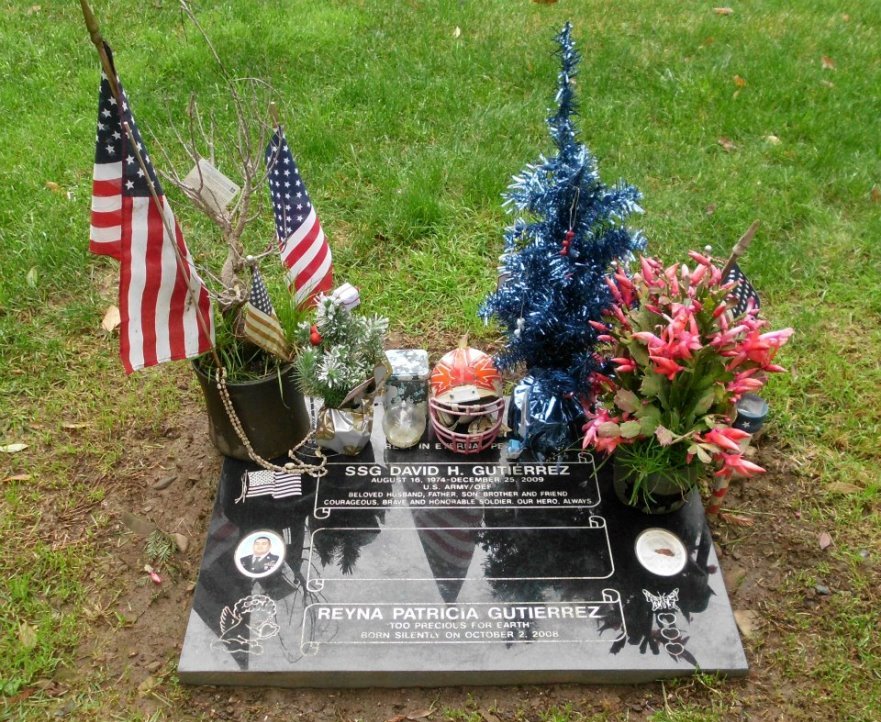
<point>259,554</point>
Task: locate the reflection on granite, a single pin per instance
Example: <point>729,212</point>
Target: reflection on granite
<point>420,567</point>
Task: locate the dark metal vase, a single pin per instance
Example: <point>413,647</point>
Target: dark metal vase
<point>664,492</point>
<point>272,412</point>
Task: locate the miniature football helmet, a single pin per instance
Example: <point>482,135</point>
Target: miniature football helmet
<point>466,403</point>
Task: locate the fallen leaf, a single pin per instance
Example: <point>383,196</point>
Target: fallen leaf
<point>34,9</point>
<point>111,319</point>
<point>138,524</point>
<point>842,487</point>
<point>723,11</point>
<point>23,695</point>
<point>13,448</point>
<point>31,277</point>
<point>739,82</point>
<point>489,716</point>
<point>827,62</point>
<point>422,714</point>
<point>875,194</point>
<point>18,477</point>
<point>53,186</point>
<point>845,17</point>
<point>772,139</point>
<point>747,621</point>
<point>147,686</point>
<point>73,426</point>
<point>737,519</point>
<point>825,540</point>
<point>457,32</point>
<point>27,635</point>
<point>710,209</point>
<point>164,482</point>
<point>727,144</point>
<point>544,2</point>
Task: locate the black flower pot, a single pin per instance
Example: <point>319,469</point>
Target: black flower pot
<point>661,493</point>
<point>271,409</point>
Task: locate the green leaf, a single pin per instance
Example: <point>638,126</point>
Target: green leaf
<point>652,384</point>
<point>649,417</point>
<point>609,429</point>
<point>705,402</point>
<point>626,400</point>
<point>700,452</point>
<point>638,352</point>
<point>630,429</point>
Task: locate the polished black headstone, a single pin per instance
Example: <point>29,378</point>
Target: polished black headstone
<point>422,567</point>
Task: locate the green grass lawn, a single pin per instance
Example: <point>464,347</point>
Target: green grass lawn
<point>407,120</point>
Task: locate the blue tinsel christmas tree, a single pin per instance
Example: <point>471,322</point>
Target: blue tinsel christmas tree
<point>555,260</point>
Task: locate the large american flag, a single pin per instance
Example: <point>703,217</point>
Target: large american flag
<point>303,247</point>
<point>157,294</point>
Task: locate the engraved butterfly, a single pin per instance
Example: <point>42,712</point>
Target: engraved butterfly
<point>662,601</point>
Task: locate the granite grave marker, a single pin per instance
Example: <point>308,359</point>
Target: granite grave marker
<point>421,567</point>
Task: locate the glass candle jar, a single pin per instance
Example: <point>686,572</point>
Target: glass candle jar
<point>405,403</point>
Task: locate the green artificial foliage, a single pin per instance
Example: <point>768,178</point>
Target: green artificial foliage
<point>349,349</point>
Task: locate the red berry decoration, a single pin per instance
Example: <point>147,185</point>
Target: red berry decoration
<point>314,337</point>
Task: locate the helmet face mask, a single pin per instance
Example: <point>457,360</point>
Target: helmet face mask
<point>466,404</point>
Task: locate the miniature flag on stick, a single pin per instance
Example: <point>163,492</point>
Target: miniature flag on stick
<point>745,295</point>
<point>303,247</point>
<point>261,326</point>
<point>164,306</point>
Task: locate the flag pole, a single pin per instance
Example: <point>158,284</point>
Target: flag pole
<point>740,247</point>
<point>98,40</point>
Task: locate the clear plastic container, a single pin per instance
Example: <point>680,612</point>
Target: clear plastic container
<point>405,403</point>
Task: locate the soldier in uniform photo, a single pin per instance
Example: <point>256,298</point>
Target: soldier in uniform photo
<point>261,559</point>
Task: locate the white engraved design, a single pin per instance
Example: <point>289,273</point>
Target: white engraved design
<point>662,601</point>
<point>241,635</point>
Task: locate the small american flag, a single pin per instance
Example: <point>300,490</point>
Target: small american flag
<point>277,484</point>
<point>745,296</point>
<point>303,247</point>
<point>261,326</point>
<point>157,297</point>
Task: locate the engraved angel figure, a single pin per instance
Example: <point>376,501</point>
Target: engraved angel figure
<point>247,624</point>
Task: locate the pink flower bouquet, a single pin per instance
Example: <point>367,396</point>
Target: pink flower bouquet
<point>681,362</point>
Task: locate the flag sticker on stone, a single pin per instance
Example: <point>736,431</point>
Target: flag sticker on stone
<point>277,484</point>
<point>303,247</point>
<point>745,296</point>
<point>261,326</point>
<point>165,310</point>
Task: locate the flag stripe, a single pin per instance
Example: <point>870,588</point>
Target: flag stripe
<point>110,204</point>
<point>300,233</point>
<point>127,300</point>
<point>108,172</point>
<point>306,250</point>
<point>320,281</point>
<point>106,235</point>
